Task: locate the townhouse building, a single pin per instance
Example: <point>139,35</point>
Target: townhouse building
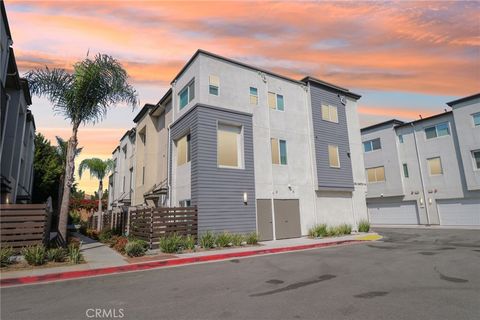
<point>425,171</point>
<point>252,149</point>
<point>17,131</point>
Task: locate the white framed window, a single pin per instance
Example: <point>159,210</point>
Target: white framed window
<point>253,96</point>
<point>333,156</point>
<point>229,146</point>
<point>435,166</point>
<point>185,203</point>
<point>329,113</point>
<point>276,101</point>
<point>187,94</point>
<point>438,130</point>
<point>213,85</point>
<point>183,150</point>
<point>279,151</point>
<point>376,174</point>
<point>372,145</point>
<point>476,159</point>
<point>476,119</point>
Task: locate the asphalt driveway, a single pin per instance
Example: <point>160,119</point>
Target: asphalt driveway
<point>410,274</point>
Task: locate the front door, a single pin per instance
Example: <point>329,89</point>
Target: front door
<point>264,219</point>
<point>287,219</point>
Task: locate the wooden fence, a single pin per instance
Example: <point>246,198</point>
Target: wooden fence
<point>24,225</point>
<point>93,222</point>
<point>150,224</point>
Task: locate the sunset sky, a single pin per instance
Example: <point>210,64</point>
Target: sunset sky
<point>404,58</point>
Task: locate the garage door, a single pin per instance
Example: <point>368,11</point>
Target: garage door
<point>393,213</point>
<point>287,219</point>
<point>459,212</point>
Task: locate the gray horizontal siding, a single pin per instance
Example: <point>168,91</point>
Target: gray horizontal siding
<point>218,192</point>
<point>326,133</point>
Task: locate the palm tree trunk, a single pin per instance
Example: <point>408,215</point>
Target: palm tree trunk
<point>100,188</point>
<point>69,171</point>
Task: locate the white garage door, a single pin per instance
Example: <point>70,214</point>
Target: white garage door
<point>459,212</point>
<point>393,213</point>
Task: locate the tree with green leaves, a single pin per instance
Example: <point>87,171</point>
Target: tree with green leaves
<point>99,169</point>
<point>82,96</point>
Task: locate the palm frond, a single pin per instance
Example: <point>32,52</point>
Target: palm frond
<point>97,167</point>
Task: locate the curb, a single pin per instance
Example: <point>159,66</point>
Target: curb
<point>70,275</point>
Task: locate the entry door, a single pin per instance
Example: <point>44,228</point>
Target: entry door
<point>264,219</point>
<point>287,219</point>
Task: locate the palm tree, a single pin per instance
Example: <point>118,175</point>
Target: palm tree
<point>98,169</point>
<point>83,97</point>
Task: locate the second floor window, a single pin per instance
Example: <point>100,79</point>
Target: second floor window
<point>376,174</point>
<point>333,156</point>
<point>253,96</point>
<point>437,130</point>
<point>214,85</point>
<point>229,146</point>
<point>275,101</point>
<point>435,166</point>
<point>372,145</point>
<point>279,151</point>
<point>476,119</point>
<point>187,94</point>
<point>183,150</point>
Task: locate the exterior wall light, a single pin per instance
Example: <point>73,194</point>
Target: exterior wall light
<point>245,198</point>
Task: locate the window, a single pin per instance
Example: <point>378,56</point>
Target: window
<point>214,84</point>
<point>184,203</point>
<point>476,159</point>
<point>143,175</point>
<point>405,170</point>
<point>143,134</point>
<point>329,113</point>
<point>376,174</point>
<point>476,119</point>
<point>187,94</point>
<point>400,138</point>
<point>371,145</point>
<point>333,157</point>
<point>438,130</point>
<point>253,96</point>
<point>183,150</point>
<point>279,151</point>
<point>124,149</point>
<point>275,101</point>
<point>130,181</point>
<point>435,166</point>
<point>229,146</point>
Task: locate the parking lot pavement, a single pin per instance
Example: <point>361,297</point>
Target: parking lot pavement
<point>410,274</point>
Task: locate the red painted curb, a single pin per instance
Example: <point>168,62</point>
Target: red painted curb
<point>158,264</point>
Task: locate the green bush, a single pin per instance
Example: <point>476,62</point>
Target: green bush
<point>363,226</point>
<point>34,255</point>
<point>56,255</point>
<point>207,240</point>
<point>171,243</point>
<point>105,235</point>
<point>223,240</point>
<point>237,239</point>
<point>188,242</point>
<point>6,254</point>
<point>251,238</point>
<point>74,216</point>
<point>317,231</point>
<point>74,254</point>
<point>135,248</point>
<point>339,230</point>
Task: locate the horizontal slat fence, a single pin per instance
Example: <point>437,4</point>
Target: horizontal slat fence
<point>24,225</point>
<point>150,224</point>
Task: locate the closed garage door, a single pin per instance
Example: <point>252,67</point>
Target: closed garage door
<point>459,212</point>
<point>393,213</point>
<point>287,219</point>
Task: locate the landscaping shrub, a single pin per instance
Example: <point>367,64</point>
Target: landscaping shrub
<point>171,243</point>
<point>251,238</point>
<point>135,248</point>
<point>319,230</point>
<point>74,242</point>
<point>207,240</point>
<point>112,241</point>
<point>188,242</point>
<point>56,255</point>
<point>339,230</point>
<point>74,254</point>
<point>237,239</point>
<point>92,234</point>
<point>105,235</point>
<point>6,254</point>
<point>74,216</point>
<point>363,226</point>
<point>223,240</point>
<point>34,255</point>
<point>120,244</point>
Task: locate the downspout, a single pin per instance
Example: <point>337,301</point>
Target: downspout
<point>169,149</point>
<point>421,173</point>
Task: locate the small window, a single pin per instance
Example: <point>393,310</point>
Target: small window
<point>435,166</point>
<point>184,203</point>
<point>143,175</point>
<point>371,145</point>
<point>441,129</point>
<point>214,84</point>
<point>329,113</point>
<point>405,170</point>
<point>276,101</point>
<point>187,94</point>
<point>400,138</point>
<point>476,159</point>
<point>476,119</point>
<point>229,146</point>
<point>183,150</point>
<point>253,96</point>
<point>279,151</point>
<point>333,156</point>
<point>376,174</point>
<point>280,105</point>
